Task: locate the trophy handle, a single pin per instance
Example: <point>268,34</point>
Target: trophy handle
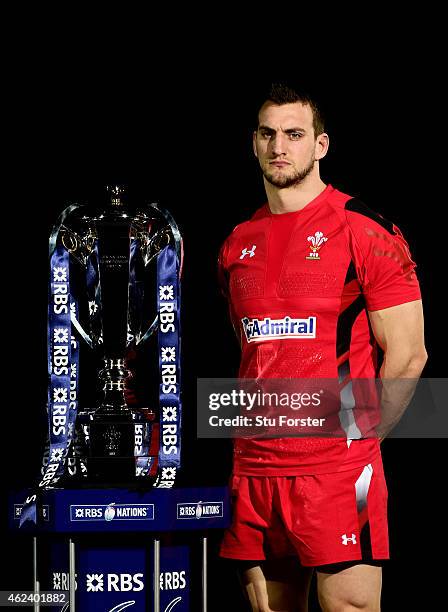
<point>57,226</point>
<point>180,257</point>
<point>52,245</point>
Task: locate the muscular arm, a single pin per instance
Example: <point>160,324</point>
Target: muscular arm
<point>399,332</point>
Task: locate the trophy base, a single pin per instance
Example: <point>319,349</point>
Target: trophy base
<point>112,448</point>
<point>102,473</point>
<point>111,470</point>
<point>141,484</point>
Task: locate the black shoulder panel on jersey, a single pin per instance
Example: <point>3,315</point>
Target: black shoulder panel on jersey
<point>358,206</point>
<point>346,320</point>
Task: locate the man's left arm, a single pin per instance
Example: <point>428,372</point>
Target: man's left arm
<point>399,331</point>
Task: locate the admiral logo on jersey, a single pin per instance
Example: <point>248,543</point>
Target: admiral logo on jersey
<point>278,329</point>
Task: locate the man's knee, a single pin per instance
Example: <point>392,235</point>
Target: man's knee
<point>268,591</point>
<point>254,584</point>
<point>358,604</point>
<point>352,589</point>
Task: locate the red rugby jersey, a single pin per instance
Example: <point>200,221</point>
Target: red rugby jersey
<point>324,265</point>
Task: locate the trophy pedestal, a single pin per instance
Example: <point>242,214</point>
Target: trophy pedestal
<point>117,549</point>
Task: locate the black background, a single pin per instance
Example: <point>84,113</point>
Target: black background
<point>180,133</point>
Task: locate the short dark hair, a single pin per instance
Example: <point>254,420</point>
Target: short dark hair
<point>283,93</point>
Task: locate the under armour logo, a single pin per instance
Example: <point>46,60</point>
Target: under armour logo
<point>251,252</point>
<point>346,540</point>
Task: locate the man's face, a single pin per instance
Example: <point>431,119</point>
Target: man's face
<point>285,145</point>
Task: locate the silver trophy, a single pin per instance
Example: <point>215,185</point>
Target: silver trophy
<point>113,252</point>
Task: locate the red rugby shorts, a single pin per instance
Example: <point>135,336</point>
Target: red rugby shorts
<point>325,518</point>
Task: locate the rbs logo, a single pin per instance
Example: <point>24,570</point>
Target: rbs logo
<point>125,582</point>
<point>121,583</point>
<point>171,581</point>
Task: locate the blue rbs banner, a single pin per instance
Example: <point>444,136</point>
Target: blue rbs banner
<point>112,580</point>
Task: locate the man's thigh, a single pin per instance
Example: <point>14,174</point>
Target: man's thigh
<point>344,585</point>
<point>276,584</point>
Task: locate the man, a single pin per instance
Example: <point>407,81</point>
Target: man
<point>315,254</point>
